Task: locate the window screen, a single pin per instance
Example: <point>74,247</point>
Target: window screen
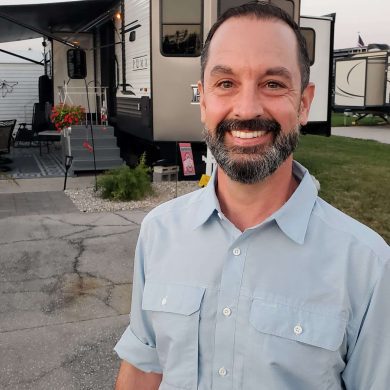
<point>286,5</point>
<point>181,28</point>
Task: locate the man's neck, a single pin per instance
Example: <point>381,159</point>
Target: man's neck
<point>247,205</point>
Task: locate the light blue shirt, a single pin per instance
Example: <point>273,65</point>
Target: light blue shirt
<point>300,301</point>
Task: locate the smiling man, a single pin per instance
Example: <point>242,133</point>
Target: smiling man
<point>255,282</point>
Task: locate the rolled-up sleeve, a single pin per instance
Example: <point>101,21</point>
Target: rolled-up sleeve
<point>136,352</point>
<point>368,366</point>
<point>137,345</point>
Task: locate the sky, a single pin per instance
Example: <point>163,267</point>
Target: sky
<point>369,18</point>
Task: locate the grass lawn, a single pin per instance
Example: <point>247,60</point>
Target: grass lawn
<point>354,176</point>
<point>338,119</point>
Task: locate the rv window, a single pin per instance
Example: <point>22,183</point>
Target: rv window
<point>310,37</point>
<point>181,28</point>
<point>286,5</point>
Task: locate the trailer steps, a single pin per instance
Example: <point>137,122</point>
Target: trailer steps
<point>78,143</point>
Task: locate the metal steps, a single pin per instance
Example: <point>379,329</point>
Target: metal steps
<point>78,143</point>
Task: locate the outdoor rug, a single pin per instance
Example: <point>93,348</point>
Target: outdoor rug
<point>28,164</point>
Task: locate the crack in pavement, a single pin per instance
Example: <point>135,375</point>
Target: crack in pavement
<point>62,323</point>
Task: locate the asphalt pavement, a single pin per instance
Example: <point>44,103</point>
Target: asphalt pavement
<point>65,291</point>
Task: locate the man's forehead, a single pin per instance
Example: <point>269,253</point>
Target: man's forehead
<point>240,26</point>
<point>245,37</point>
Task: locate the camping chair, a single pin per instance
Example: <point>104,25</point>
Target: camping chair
<point>27,132</point>
<point>6,129</point>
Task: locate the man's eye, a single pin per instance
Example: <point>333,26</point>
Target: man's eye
<point>225,84</point>
<point>274,85</point>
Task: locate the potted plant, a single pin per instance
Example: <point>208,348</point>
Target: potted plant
<point>64,116</point>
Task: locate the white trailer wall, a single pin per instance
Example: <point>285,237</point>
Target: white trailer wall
<point>18,102</point>
<point>76,88</point>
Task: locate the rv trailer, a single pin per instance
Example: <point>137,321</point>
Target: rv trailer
<point>362,82</point>
<point>142,70</point>
<point>158,66</point>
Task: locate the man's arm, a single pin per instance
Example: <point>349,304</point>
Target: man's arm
<point>369,360</point>
<point>131,378</point>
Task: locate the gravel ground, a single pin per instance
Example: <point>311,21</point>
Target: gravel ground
<point>89,201</point>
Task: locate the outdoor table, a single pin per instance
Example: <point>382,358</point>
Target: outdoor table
<point>47,136</point>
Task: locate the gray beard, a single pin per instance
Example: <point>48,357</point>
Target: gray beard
<point>249,165</point>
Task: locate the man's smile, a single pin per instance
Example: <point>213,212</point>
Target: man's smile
<point>247,134</point>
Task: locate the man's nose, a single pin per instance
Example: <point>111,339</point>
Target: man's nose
<point>248,103</point>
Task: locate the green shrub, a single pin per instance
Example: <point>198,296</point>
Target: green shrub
<point>126,183</point>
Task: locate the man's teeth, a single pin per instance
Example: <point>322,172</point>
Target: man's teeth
<point>247,134</point>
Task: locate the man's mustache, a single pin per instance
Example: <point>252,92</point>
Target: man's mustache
<point>259,124</point>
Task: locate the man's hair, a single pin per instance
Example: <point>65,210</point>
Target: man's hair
<point>262,11</point>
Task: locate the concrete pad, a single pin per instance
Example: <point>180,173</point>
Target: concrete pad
<point>375,133</point>
<point>10,186</point>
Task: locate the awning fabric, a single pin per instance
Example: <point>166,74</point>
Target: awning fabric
<point>52,18</point>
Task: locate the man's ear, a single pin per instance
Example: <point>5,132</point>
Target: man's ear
<point>306,100</point>
<point>201,102</point>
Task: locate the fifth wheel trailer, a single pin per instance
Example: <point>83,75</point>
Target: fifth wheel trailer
<point>158,66</point>
<point>362,82</point>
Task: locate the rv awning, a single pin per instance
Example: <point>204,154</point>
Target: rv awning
<point>51,18</point>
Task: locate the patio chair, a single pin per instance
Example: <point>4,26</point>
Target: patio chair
<point>27,132</point>
<point>6,129</point>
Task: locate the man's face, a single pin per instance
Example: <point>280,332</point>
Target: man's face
<point>251,101</point>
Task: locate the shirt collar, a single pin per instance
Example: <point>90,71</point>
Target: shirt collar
<point>209,202</point>
<point>292,218</point>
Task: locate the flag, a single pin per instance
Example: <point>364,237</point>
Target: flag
<point>360,41</point>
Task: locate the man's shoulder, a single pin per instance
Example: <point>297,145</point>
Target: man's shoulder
<point>349,229</point>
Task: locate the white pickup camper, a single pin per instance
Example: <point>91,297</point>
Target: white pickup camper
<point>158,66</point>
<point>362,82</point>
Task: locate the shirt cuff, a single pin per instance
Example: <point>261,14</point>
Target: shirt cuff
<point>137,353</point>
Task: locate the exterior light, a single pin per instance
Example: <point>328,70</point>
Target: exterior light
<point>68,163</point>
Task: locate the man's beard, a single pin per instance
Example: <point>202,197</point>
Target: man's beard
<point>252,164</point>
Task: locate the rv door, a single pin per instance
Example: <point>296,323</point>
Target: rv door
<point>319,38</point>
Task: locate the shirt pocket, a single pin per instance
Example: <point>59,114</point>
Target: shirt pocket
<point>293,347</point>
<point>304,326</point>
<point>174,310</point>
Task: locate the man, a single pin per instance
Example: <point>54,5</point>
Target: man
<point>255,282</point>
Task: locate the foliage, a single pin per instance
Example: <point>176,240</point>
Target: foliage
<point>354,176</point>
<point>126,183</point>
<point>63,115</point>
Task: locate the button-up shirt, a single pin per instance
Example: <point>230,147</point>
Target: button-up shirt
<point>300,301</point>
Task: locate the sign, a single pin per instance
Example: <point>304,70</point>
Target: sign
<point>195,97</point>
<point>187,159</point>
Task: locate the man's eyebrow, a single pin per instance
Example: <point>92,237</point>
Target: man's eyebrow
<point>279,71</point>
<point>221,69</point>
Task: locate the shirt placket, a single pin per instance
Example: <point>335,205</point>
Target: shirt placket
<point>227,315</point>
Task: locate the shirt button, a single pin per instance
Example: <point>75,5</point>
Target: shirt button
<point>164,301</point>
<point>226,312</point>
<point>222,371</point>
<point>236,251</point>
<point>298,329</point>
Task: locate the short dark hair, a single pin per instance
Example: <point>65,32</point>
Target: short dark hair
<point>264,11</point>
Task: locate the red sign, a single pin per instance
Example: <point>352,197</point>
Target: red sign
<point>187,159</point>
